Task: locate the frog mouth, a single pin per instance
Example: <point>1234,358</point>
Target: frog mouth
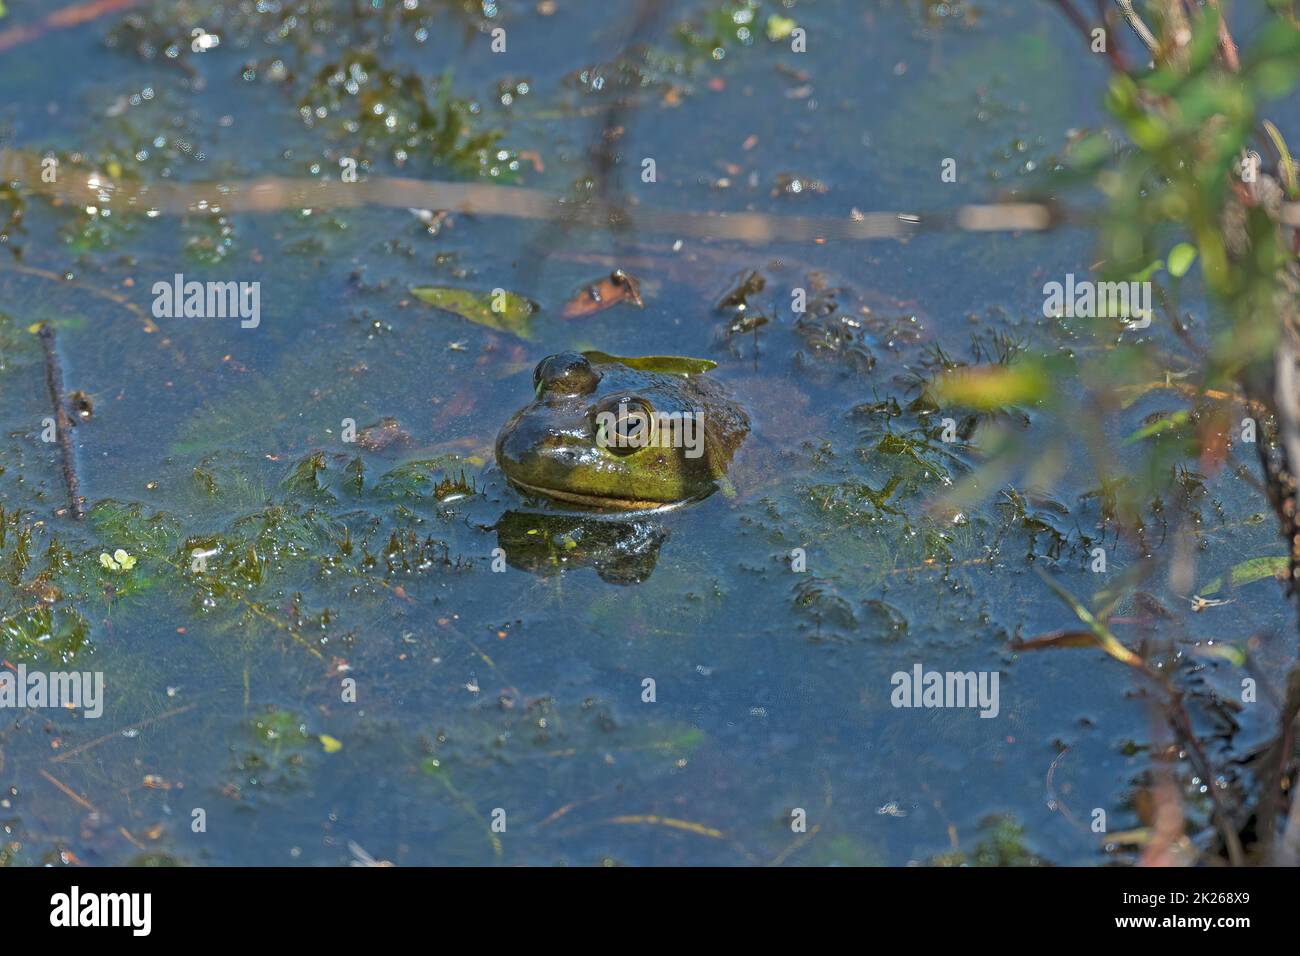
<point>596,501</point>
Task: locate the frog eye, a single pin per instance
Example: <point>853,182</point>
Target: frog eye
<point>625,425</point>
<point>566,373</point>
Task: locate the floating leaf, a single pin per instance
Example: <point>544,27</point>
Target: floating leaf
<point>118,561</point>
<point>1247,572</point>
<point>604,293</point>
<point>500,310</point>
<point>1164,424</point>
<point>667,364</point>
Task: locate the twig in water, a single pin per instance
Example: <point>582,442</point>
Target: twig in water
<point>68,791</point>
<point>62,420</point>
<point>90,745</point>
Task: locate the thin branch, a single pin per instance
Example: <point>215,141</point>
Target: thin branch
<point>1227,45</point>
<point>62,420</point>
<point>1114,54</point>
<point>1138,26</point>
<point>274,193</point>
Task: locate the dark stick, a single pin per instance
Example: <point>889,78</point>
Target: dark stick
<point>1114,54</point>
<point>62,420</point>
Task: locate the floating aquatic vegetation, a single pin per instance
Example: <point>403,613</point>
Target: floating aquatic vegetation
<point>415,120</point>
<point>498,309</point>
<point>43,635</point>
<point>277,759</point>
<point>118,561</point>
<point>664,364</point>
<point>12,210</point>
<point>1002,842</point>
<point>440,478</point>
<point>1248,572</point>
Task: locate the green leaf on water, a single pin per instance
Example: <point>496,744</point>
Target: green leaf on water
<point>1247,572</point>
<point>666,364</point>
<point>500,310</point>
<point>1168,422</point>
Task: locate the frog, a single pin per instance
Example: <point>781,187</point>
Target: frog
<point>615,434</point>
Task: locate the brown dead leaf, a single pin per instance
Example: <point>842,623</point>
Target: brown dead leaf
<point>618,286</point>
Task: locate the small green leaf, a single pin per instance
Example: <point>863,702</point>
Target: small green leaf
<point>1165,424</point>
<point>667,364</point>
<point>1181,258</point>
<point>1247,572</point>
<point>500,310</point>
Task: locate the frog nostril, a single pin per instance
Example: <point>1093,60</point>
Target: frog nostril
<point>567,373</point>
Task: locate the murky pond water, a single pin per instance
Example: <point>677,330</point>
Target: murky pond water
<point>319,651</point>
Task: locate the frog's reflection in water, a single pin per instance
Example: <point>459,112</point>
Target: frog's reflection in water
<point>621,551</point>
